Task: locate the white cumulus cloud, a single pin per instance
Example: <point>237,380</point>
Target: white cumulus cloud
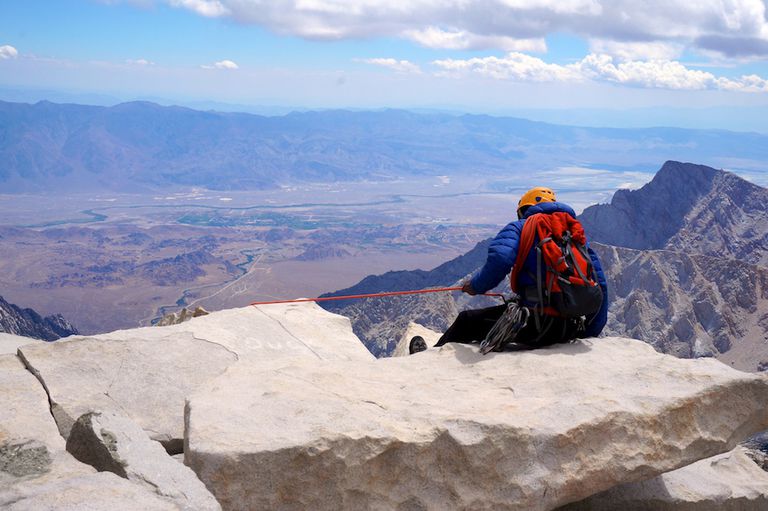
<point>209,8</point>
<point>140,62</point>
<point>435,37</point>
<point>222,64</point>
<point>661,74</point>
<point>8,52</point>
<point>623,50</point>
<point>736,28</point>
<point>514,66</point>
<point>399,66</point>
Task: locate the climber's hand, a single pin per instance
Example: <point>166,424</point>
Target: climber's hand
<point>466,287</point>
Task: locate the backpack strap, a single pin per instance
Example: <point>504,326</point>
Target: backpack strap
<point>527,237</point>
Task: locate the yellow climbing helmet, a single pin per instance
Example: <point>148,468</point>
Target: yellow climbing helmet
<point>535,196</point>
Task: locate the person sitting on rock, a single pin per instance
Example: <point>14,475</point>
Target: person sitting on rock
<point>538,316</point>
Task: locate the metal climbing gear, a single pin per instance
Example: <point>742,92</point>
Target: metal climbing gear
<point>514,319</point>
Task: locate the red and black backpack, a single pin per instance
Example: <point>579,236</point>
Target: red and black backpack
<point>566,282</point>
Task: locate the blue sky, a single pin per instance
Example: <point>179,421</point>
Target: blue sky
<point>489,55</point>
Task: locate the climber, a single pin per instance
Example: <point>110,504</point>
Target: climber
<point>561,291</point>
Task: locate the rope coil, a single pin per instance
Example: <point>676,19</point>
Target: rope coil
<point>506,327</point>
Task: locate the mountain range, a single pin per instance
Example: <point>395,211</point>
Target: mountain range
<point>685,257</point>
<point>142,146</point>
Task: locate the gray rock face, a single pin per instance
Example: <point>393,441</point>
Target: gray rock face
<point>689,305</point>
<point>24,458</point>
<point>728,222</point>
<point>146,373</point>
<point>687,207</point>
<point>647,218</point>
<point>530,430</point>
<point>183,315</point>
<point>115,444</point>
<point>28,323</point>
<point>726,482</point>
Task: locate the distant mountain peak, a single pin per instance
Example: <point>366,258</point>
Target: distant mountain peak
<point>681,198</point>
<point>677,186</point>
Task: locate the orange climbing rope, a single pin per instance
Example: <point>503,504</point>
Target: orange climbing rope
<point>372,295</point>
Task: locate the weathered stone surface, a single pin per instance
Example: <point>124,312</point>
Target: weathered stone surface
<point>9,343</point>
<point>726,482</point>
<point>414,329</point>
<point>451,429</point>
<point>112,443</point>
<point>267,332</point>
<point>146,379</point>
<point>36,473</point>
<point>24,411</point>
<point>147,373</point>
<point>97,492</point>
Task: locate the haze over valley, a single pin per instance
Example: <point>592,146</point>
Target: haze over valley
<point>116,216</point>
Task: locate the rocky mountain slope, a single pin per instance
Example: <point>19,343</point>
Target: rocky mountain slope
<point>281,407</point>
<point>692,282</point>
<point>687,208</point>
<point>689,305</point>
<point>143,146</point>
<point>28,323</point>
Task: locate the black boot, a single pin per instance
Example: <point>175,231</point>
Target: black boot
<point>417,344</point>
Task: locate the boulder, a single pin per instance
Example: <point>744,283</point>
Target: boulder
<point>146,373</point>
<point>112,443</point>
<point>10,343</point>
<point>726,482</point>
<point>147,379</point>
<point>414,329</point>
<point>36,473</point>
<point>452,429</point>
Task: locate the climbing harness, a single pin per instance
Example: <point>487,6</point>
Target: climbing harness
<point>514,319</point>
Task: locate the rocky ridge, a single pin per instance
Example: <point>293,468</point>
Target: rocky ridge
<point>28,323</point>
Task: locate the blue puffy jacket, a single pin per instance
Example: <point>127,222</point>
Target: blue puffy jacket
<point>502,254</point>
